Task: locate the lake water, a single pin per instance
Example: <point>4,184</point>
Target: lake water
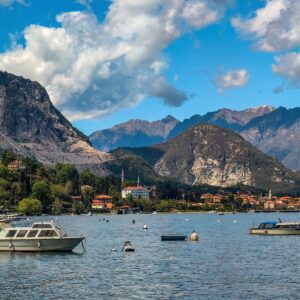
<point>227,262</point>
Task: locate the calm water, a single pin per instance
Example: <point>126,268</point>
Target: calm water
<point>227,263</point>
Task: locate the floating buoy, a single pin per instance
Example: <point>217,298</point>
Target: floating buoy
<point>187,220</point>
<point>113,250</point>
<point>145,226</point>
<point>133,221</point>
<point>235,221</point>
<point>107,220</point>
<point>218,220</point>
<point>194,236</point>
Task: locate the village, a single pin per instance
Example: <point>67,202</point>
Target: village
<point>207,202</point>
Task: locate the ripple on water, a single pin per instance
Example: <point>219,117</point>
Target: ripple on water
<point>227,263</point>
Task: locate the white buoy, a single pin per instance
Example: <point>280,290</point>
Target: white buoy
<point>194,236</point>
<point>235,221</point>
<point>218,220</point>
<point>145,226</point>
<point>187,220</point>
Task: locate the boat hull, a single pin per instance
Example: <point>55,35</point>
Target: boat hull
<point>257,231</point>
<point>40,245</point>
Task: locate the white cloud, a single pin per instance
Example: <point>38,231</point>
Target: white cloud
<point>91,69</point>
<point>288,66</point>
<point>232,79</point>
<point>275,27</point>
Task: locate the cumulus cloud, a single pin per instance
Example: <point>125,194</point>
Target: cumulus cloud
<point>232,79</point>
<point>288,66</point>
<point>93,68</point>
<point>275,27</point>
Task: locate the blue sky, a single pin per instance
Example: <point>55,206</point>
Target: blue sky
<point>199,64</point>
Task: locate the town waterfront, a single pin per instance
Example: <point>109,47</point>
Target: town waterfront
<point>227,262</point>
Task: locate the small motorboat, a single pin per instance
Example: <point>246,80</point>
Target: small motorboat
<point>40,237</point>
<point>221,214</point>
<point>127,247</point>
<point>173,237</point>
<point>277,228</point>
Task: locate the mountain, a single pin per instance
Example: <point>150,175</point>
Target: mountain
<point>207,154</point>
<point>134,133</point>
<point>225,118</point>
<point>30,125</point>
<point>278,134</point>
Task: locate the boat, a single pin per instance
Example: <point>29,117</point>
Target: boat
<point>127,247</point>
<point>173,237</point>
<point>40,237</point>
<point>277,228</point>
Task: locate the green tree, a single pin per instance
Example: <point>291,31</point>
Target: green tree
<point>87,178</point>
<point>78,207</point>
<point>57,207</point>
<point>30,206</point>
<point>42,192</point>
<point>7,156</point>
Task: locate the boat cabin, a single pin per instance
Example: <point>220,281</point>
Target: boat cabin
<point>37,230</point>
<point>267,225</point>
<point>280,225</point>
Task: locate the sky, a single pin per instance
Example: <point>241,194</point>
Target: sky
<point>105,62</point>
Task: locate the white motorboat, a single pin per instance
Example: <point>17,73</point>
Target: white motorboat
<point>277,228</point>
<point>40,237</point>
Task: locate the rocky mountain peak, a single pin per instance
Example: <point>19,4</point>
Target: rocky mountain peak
<point>30,125</point>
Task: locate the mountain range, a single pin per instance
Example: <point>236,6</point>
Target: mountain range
<point>199,154</point>
<point>275,131</point>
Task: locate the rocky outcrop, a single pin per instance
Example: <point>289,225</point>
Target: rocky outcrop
<point>30,125</point>
<point>134,133</point>
<point>207,154</point>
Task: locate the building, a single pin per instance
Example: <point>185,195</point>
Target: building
<point>136,192</point>
<point>16,165</point>
<point>102,202</point>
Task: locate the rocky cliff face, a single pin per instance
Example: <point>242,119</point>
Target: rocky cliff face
<point>134,133</point>
<point>207,154</point>
<point>30,125</point>
<point>277,134</point>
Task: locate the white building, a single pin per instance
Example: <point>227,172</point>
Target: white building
<point>136,192</point>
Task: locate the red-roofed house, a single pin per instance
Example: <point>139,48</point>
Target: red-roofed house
<point>102,202</point>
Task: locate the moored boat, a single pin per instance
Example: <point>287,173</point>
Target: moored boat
<point>277,228</point>
<point>40,237</point>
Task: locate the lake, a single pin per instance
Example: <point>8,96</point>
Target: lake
<point>226,263</point>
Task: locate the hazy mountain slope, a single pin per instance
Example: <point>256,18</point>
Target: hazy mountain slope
<point>277,134</point>
<point>134,133</point>
<point>225,118</point>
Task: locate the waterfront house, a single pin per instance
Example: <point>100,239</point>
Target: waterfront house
<point>102,202</point>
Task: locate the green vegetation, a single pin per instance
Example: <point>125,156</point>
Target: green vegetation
<point>32,188</point>
<point>30,206</point>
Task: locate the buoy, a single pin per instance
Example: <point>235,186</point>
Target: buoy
<point>107,220</point>
<point>194,236</point>
<point>218,220</point>
<point>133,221</point>
<point>235,221</point>
<point>145,226</point>
<point>187,219</point>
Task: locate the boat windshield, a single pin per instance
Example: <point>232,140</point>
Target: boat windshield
<point>42,226</point>
<point>270,225</point>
